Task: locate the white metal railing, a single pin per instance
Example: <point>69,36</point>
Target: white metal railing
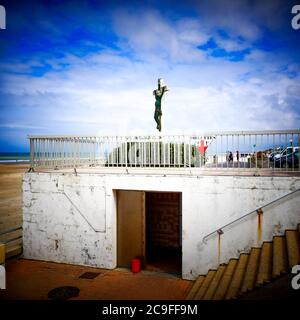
<point>276,150</point>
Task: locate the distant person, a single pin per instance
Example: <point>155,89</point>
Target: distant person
<point>230,157</point>
<point>237,156</point>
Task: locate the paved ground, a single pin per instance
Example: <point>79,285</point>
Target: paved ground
<point>29,279</point>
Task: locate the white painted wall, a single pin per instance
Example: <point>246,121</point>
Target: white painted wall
<point>72,218</point>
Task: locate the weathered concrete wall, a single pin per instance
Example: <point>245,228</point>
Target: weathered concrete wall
<point>72,218</point>
<point>68,219</point>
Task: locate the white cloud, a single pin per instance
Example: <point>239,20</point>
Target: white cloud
<point>109,92</point>
<point>241,18</point>
<point>19,126</point>
<point>150,36</point>
<point>232,44</point>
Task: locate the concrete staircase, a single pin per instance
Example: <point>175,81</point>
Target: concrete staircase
<point>251,270</point>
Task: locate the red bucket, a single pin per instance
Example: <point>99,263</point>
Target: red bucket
<point>135,265</point>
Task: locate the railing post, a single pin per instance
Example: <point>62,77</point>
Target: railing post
<point>31,153</point>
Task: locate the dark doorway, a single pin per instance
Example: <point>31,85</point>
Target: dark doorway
<point>163,232</point>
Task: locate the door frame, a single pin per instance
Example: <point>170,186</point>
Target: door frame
<point>142,228</point>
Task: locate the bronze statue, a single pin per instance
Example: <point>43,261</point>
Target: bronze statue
<point>158,93</point>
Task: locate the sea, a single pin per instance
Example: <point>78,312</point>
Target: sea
<point>14,157</point>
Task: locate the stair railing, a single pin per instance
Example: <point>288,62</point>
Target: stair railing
<point>257,210</point>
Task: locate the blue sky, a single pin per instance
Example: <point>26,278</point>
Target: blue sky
<point>89,67</point>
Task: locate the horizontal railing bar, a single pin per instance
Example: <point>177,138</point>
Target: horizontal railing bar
<point>10,230</point>
<point>249,213</point>
<point>212,133</point>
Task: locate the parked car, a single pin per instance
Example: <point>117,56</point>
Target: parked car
<point>288,158</point>
<point>293,159</point>
<point>274,153</point>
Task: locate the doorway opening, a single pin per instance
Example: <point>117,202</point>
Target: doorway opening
<point>163,232</point>
<point>149,228</point>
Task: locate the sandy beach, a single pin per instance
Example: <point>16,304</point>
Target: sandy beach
<point>11,194</point>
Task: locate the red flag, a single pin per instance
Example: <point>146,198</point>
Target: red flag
<point>202,148</point>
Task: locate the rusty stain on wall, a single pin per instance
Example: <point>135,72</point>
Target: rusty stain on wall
<point>220,232</point>
<point>259,225</point>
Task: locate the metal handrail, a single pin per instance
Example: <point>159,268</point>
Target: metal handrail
<point>220,230</point>
<point>204,133</point>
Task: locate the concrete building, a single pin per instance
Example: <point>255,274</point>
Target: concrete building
<point>175,213</point>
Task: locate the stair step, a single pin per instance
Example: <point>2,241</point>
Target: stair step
<point>225,281</point>
<point>265,265</point>
<point>195,288</point>
<point>202,290</point>
<point>237,277</point>
<point>13,251</point>
<point>292,242</point>
<point>251,270</point>
<point>279,256</point>
<point>214,283</point>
